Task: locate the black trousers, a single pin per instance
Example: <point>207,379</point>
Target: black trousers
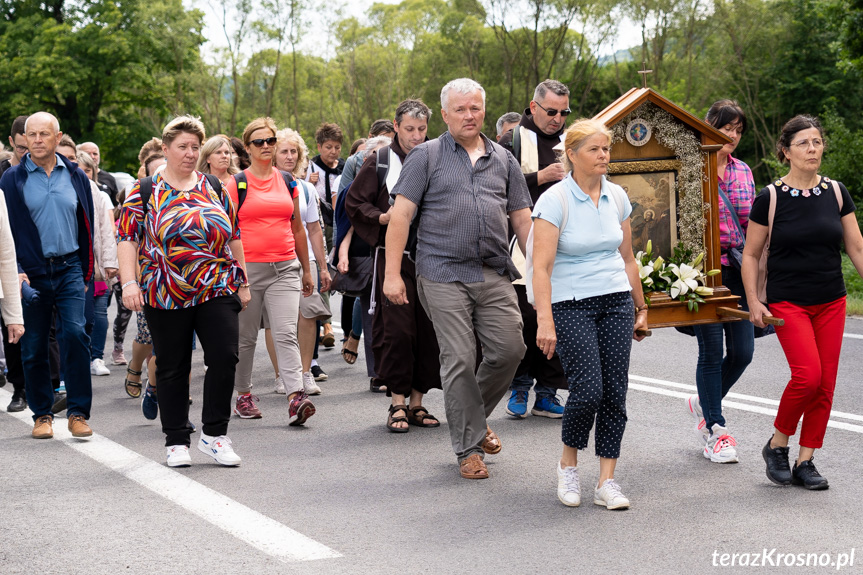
<point>216,321</point>
<point>404,343</point>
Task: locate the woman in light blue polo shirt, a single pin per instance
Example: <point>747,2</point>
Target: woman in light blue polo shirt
<point>585,282</point>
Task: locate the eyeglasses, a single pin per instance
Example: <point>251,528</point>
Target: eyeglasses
<point>552,112</point>
<point>22,149</point>
<point>261,141</point>
<point>804,144</point>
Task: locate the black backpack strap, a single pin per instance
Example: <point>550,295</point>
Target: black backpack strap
<point>145,189</point>
<point>516,142</point>
<point>291,183</point>
<point>383,165</point>
<point>242,188</point>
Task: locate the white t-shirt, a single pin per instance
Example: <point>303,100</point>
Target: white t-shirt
<point>308,211</point>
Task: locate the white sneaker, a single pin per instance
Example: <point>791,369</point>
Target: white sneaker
<point>280,386</point>
<point>309,384</point>
<point>568,490</point>
<point>610,496</point>
<point>720,446</point>
<point>219,448</point>
<point>693,406</point>
<point>178,456</point>
<point>98,367</point>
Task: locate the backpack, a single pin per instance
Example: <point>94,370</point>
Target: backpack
<point>146,190</point>
<point>560,193</point>
<point>243,183</point>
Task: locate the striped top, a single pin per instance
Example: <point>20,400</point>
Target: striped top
<point>463,209</point>
<point>185,259</point>
<point>738,185</point>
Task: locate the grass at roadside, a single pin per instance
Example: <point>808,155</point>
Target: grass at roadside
<point>854,286</point>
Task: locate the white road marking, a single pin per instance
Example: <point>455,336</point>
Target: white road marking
<point>690,389</point>
<point>852,335</point>
<point>244,523</point>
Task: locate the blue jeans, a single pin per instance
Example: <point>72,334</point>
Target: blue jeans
<point>96,314</point>
<point>525,382</point>
<point>63,287</point>
<point>718,370</point>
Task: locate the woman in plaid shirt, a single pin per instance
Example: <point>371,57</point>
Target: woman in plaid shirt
<point>717,369</point>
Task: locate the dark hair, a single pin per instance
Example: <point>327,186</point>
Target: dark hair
<point>328,132</point>
<point>243,160</point>
<point>381,127</point>
<point>790,129</point>
<point>724,112</point>
<point>412,108</point>
<point>18,126</point>
<point>146,164</point>
<point>356,145</point>
<point>543,88</point>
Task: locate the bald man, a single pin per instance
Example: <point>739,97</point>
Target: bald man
<point>51,218</point>
<point>104,180</point>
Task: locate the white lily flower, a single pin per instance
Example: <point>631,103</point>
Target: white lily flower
<point>704,290</point>
<point>687,279</point>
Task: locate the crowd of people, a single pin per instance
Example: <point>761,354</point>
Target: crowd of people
<point>473,266</point>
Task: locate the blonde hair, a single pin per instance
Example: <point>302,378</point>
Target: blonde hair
<point>258,124</point>
<point>293,137</point>
<point>578,133</point>
<point>212,144</point>
<point>183,125</point>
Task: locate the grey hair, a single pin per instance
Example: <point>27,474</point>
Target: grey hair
<point>462,86</point>
<point>553,86</point>
<point>54,121</point>
<point>507,118</point>
<point>377,142</point>
<point>413,109</point>
<point>86,159</point>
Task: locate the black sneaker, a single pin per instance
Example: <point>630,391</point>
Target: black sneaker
<point>59,403</point>
<point>18,403</point>
<point>778,470</point>
<point>318,373</point>
<point>806,475</point>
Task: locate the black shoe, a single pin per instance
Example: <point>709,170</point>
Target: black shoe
<point>59,403</point>
<point>778,470</point>
<point>806,475</point>
<point>375,388</point>
<point>318,373</point>
<point>18,403</point>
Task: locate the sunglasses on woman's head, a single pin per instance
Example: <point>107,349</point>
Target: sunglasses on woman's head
<point>261,141</point>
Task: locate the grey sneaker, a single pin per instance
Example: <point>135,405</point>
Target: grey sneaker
<point>309,384</point>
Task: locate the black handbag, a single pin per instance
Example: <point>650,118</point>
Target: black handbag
<point>357,281</point>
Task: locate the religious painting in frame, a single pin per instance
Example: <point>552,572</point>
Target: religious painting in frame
<point>652,188</point>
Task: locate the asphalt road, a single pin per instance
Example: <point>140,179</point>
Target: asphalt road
<point>343,495</point>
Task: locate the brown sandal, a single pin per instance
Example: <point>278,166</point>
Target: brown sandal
<point>133,388</point>
<point>491,444</point>
<point>417,416</point>
<point>473,467</point>
<point>392,418</point>
<point>350,347</point>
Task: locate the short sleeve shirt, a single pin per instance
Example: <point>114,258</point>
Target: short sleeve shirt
<point>738,185</point>
<point>462,209</point>
<point>588,261</point>
<point>265,217</point>
<point>184,256</point>
<point>308,211</point>
<point>805,263</point>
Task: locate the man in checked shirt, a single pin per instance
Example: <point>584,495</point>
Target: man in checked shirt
<point>463,186</point>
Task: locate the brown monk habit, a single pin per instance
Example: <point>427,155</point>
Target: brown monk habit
<point>403,338</point>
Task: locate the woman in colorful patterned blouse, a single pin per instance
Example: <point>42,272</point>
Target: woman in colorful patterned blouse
<point>811,217</point>
<point>725,349</point>
<point>192,280</point>
<point>277,255</point>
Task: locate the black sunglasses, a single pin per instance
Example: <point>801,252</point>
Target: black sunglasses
<point>268,141</point>
<point>552,113</point>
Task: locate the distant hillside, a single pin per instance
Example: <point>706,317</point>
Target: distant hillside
<point>624,55</point>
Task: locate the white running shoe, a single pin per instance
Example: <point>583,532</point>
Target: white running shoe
<point>610,496</point>
<point>720,446</point>
<point>568,489</point>
<point>693,406</point>
<point>219,448</point>
<point>280,386</point>
<point>309,385</point>
<point>178,456</point>
<point>98,367</point>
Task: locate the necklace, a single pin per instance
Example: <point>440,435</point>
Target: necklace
<point>804,192</point>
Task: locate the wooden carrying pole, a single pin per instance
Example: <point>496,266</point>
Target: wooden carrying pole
<point>740,314</point>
